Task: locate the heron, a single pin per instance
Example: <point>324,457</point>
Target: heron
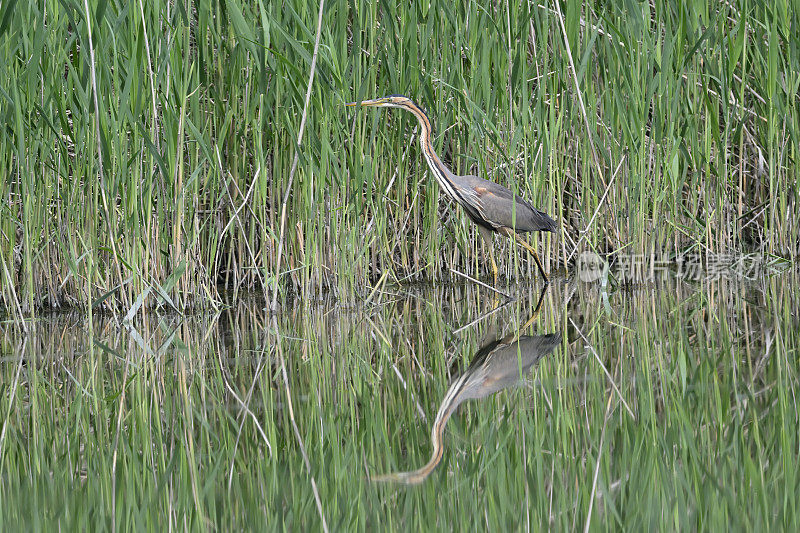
<point>491,206</point>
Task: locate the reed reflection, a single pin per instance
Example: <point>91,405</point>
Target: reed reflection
<point>499,363</point>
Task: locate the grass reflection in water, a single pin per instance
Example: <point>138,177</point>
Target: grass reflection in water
<point>669,404</point>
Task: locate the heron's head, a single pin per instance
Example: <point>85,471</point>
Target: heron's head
<point>393,100</point>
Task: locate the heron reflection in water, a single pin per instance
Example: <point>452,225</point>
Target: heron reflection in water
<point>497,365</point>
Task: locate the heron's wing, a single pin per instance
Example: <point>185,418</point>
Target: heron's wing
<point>495,206</point>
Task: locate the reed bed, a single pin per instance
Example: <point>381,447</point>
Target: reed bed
<point>146,147</point>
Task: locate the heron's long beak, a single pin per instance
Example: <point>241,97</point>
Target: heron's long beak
<point>366,103</point>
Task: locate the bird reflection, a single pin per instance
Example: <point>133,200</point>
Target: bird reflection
<point>497,365</point>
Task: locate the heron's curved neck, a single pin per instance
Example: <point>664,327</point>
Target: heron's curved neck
<point>440,171</point>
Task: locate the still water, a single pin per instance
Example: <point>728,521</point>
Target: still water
<point>671,404</point>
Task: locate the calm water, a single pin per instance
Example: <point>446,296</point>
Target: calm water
<point>669,405</point>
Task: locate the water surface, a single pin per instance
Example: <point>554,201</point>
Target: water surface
<point>671,405</point>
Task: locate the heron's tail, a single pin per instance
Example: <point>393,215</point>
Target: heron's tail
<point>543,222</point>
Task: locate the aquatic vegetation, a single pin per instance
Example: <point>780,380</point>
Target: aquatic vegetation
<point>151,171</point>
<point>671,405</point>
<point>147,148</point>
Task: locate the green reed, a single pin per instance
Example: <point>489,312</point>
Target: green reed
<point>167,180</point>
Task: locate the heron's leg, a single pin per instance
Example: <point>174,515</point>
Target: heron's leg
<point>486,235</point>
<point>535,255</point>
<point>494,265</point>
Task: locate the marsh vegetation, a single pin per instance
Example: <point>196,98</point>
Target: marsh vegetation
<point>668,407</point>
<point>146,149</point>
<point>155,198</point>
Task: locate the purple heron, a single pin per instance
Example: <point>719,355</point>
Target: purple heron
<point>493,207</point>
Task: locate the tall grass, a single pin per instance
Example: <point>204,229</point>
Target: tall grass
<point>145,146</point>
